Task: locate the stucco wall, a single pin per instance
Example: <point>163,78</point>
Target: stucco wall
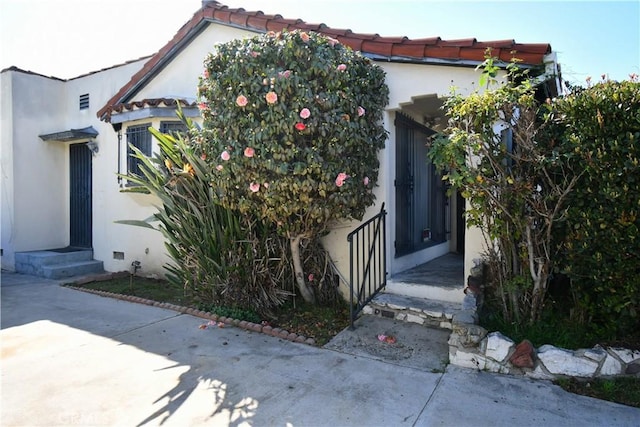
<point>34,188</point>
<point>179,79</point>
<point>6,170</point>
<point>35,173</point>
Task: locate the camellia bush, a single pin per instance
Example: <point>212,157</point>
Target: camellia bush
<point>292,129</point>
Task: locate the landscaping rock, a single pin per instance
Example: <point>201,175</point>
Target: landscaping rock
<point>469,335</point>
<point>610,366</point>
<point>597,354</point>
<point>625,355</point>
<point>523,355</point>
<point>498,346</point>
<point>565,362</point>
<point>633,368</point>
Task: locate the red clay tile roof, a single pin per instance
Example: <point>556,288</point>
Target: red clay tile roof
<point>399,49</point>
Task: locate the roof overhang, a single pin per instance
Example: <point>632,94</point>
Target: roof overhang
<point>433,50</point>
<point>149,108</point>
<point>71,135</point>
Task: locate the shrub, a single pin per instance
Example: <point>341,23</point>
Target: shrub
<point>218,255</point>
<point>600,126</point>
<point>516,186</point>
<point>292,129</point>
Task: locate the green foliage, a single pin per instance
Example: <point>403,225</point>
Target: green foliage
<point>300,118</point>
<point>219,256</point>
<point>600,127</point>
<point>624,390</point>
<point>514,183</point>
<point>292,129</point>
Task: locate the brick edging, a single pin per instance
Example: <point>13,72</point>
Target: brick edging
<point>242,324</point>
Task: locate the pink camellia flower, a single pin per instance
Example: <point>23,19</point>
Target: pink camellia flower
<point>366,180</point>
<point>219,167</point>
<point>310,277</point>
<point>203,156</point>
<point>241,101</point>
<point>361,111</point>
<point>332,41</point>
<point>225,155</point>
<point>255,54</point>
<point>249,152</point>
<point>271,97</point>
<point>266,185</point>
<point>203,106</point>
<point>254,187</point>
<point>286,74</point>
<point>205,73</point>
<point>305,113</point>
<point>300,126</point>
<point>340,178</point>
<point>341,67</point>
<point>304,36</point>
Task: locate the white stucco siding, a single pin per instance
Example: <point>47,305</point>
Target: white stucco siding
<point>179,79</point>
<point>111,204</point>
<point>35,184</point>
<point>35,181</point>
<point>7,213</point>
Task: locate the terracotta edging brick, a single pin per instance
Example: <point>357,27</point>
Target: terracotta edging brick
<point>228,321</point>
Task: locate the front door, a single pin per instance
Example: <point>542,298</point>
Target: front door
<point>80,232</point>
<point>420,194</point>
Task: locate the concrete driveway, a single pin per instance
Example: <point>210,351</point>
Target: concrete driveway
<point>72,358</point>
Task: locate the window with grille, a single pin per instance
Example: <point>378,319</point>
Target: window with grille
<point>173,127</point>
<point>139,137</point>
<point>84,101</point>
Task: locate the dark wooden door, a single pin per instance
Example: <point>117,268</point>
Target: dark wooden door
<point>80,232</point>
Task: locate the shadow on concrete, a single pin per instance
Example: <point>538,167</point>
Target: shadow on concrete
<point>114,362</point>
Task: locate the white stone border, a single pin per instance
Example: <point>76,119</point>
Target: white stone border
<point>471,346</point>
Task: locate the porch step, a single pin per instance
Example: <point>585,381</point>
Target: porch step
<point>427,312</point>
<point>438,292</point>
<point>57,263</point>
<point>440,279</point>
<point>70,269</point>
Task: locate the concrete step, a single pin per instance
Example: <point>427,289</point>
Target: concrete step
<point>440,292</point>
<point>70,269</point>
<point>422,311</point>
<point>440,279</point>
<point>57,263</point>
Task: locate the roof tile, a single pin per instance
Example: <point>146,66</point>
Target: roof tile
<point>391,47</point>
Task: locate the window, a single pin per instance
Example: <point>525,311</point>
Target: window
<point>173,127</point>
<point>139,137</point>
<point>84,101</point>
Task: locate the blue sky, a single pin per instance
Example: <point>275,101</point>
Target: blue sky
<point>67,38</point>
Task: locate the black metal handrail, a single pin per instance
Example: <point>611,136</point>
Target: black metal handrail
<point>367,262</point>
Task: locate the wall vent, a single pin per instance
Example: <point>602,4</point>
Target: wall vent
<point>118,255</point>
<point>84,101</point>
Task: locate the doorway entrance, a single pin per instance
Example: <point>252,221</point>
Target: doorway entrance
<point>421,199</point>
<point>80,187</point>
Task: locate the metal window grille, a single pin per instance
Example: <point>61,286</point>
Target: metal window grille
<point>173,127</point>
<point>139,137</point>
<point>84,101</point>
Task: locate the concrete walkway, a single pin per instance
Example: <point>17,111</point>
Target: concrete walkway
<point>72,358</point>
